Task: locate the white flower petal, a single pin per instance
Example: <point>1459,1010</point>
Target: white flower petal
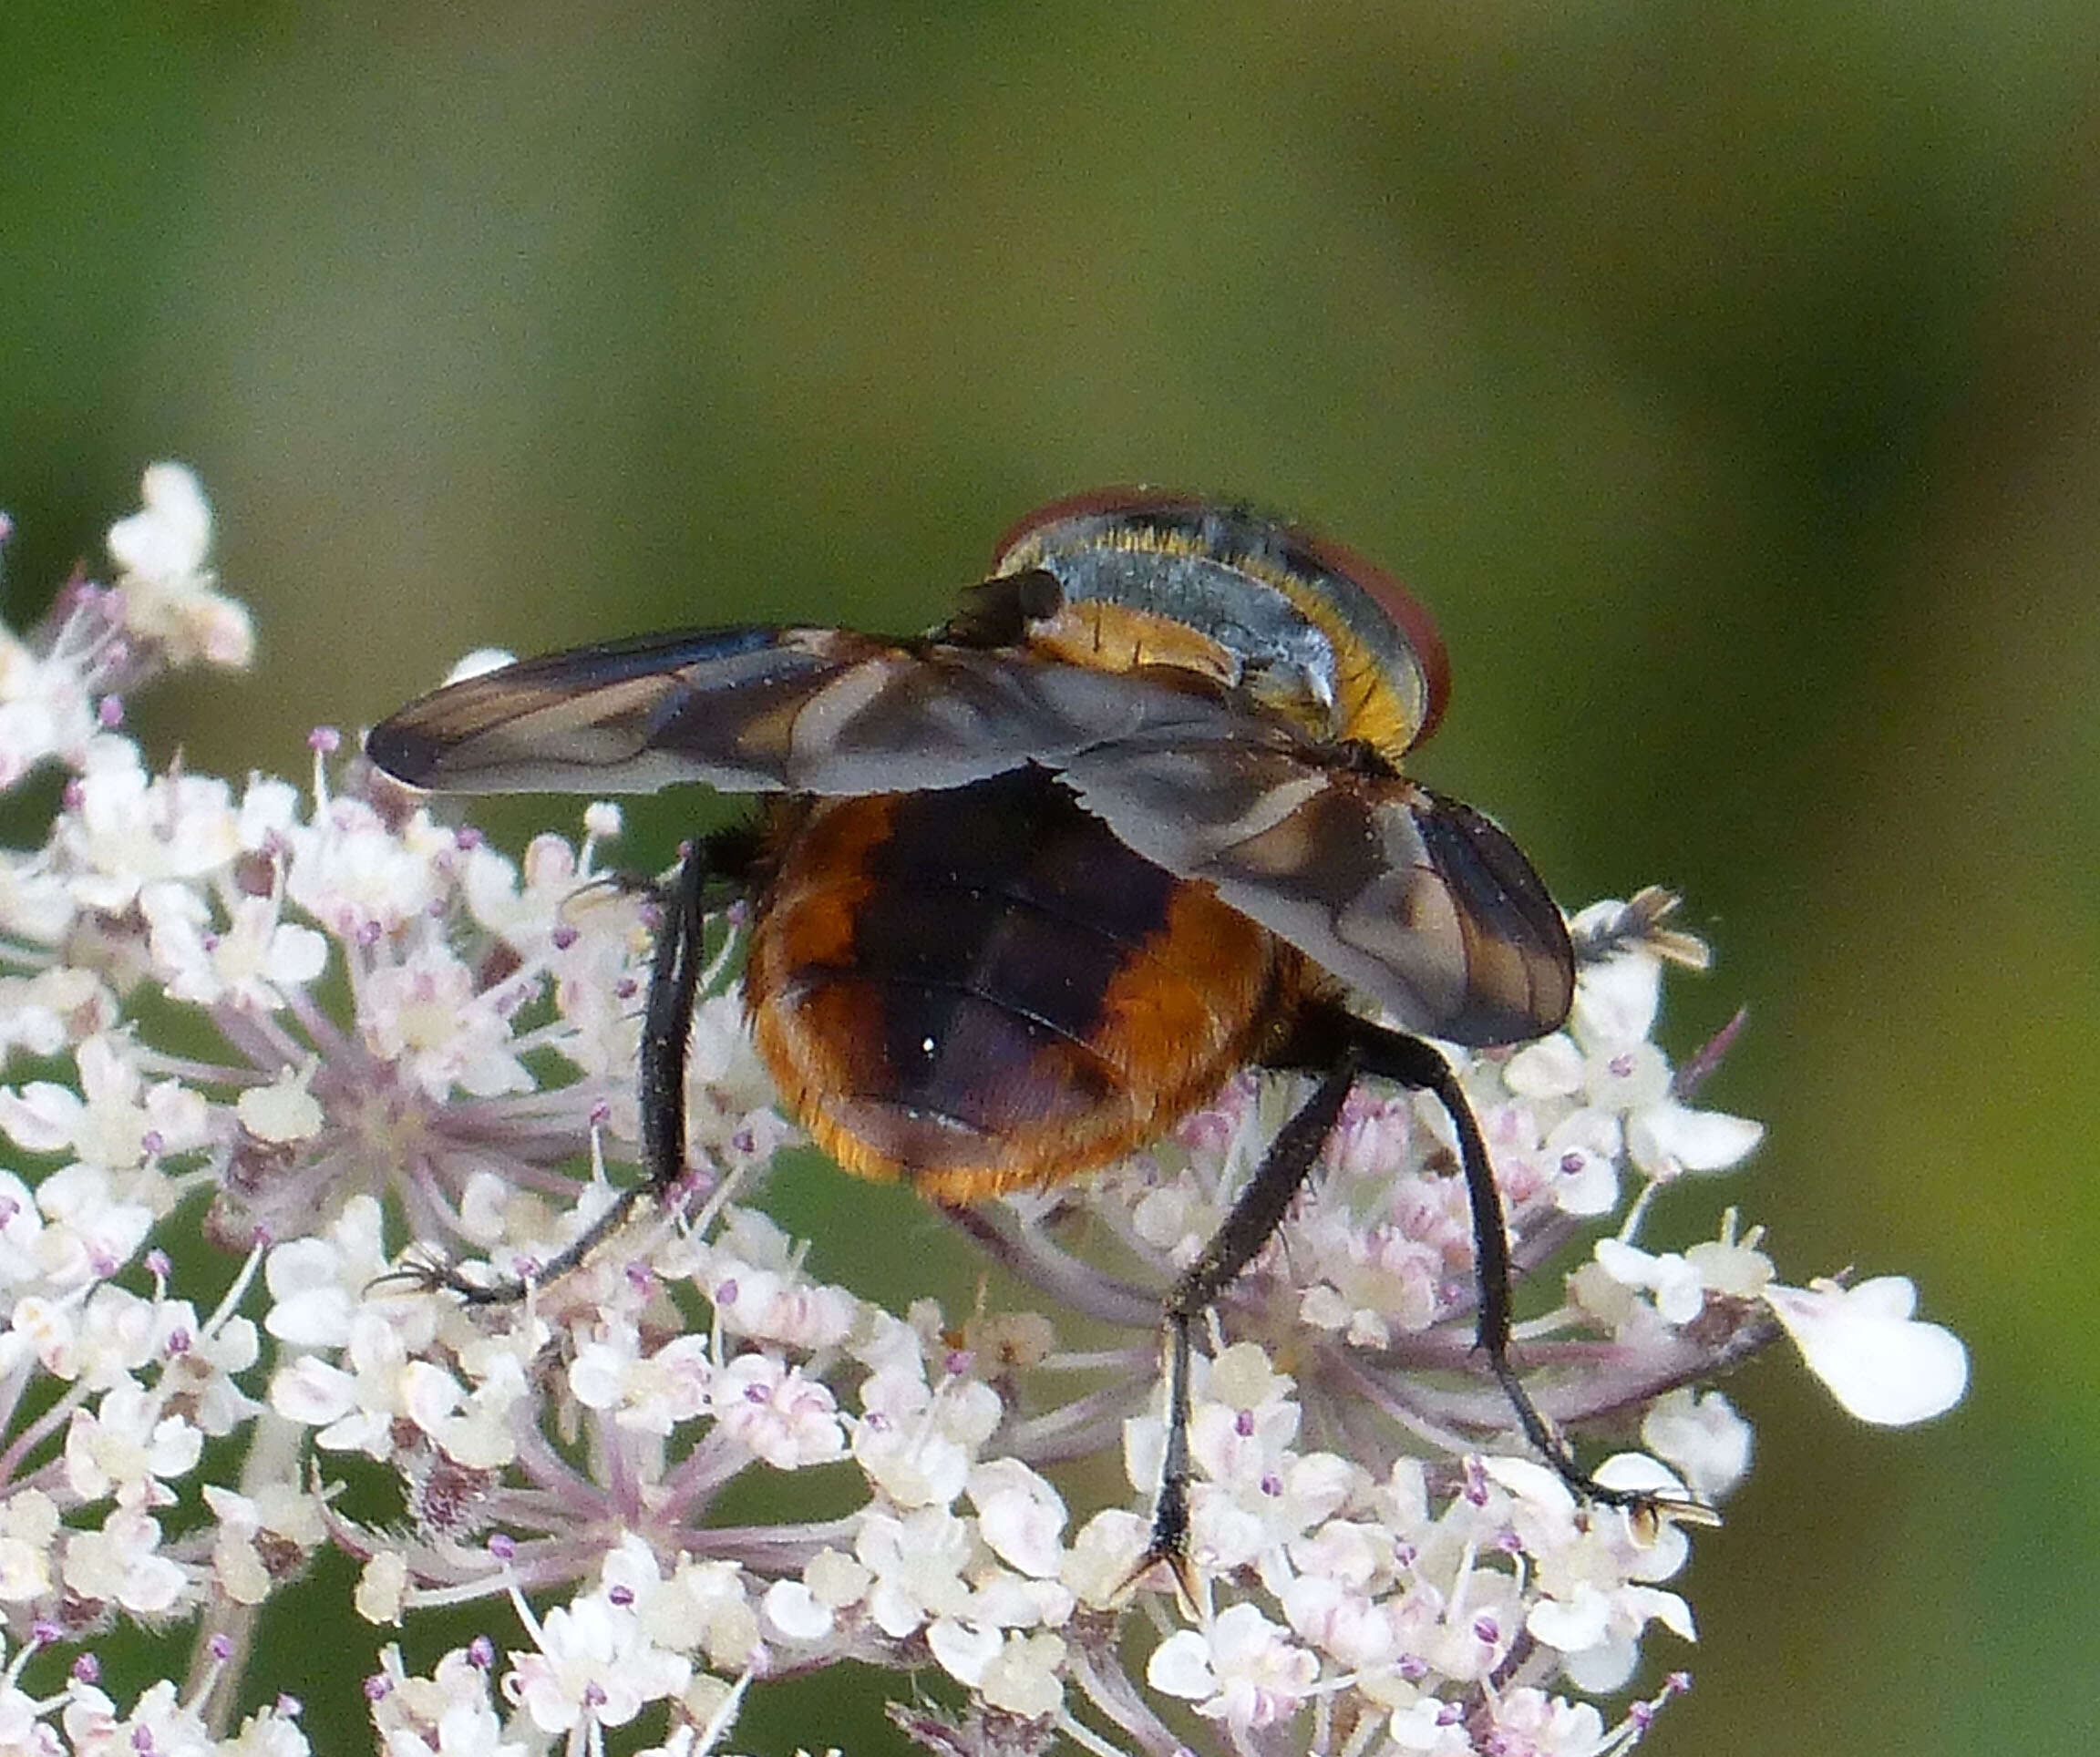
<point>1020,1516</point>
<point>962,1649</point>
<point>793,1609</point>
<point>1883,1366</point>
<point>1701,1436</point>
<point>1573,1624</point>
<point>1676,1137</point>
<point>281,1113</point>
<point>1022,1678</point>
<point>1180,1665</point>
<point>1615,1002</point>
<point>1604,1669</point>
<point>172,535</point>
<point>1665,1608</point>
<point>1550,1068</point>
<point>311,1391</point>
<point>1530,1480</point>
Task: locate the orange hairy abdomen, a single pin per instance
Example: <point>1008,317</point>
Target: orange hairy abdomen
<point>982,989</point>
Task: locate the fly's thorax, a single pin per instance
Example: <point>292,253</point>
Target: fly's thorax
<point>1304,626</point>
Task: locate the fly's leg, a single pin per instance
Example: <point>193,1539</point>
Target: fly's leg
<point>674,973</point>
<point>667,1019</point>
<point>1341,1048</point>
<point>1253,1222</point>
<point>1409,1061</point>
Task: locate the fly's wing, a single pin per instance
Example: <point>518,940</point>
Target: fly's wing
<point>762,710</point>
<point>1420,902</point>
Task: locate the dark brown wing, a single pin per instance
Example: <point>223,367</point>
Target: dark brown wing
<point>772,710</point>
<point>1420,902</point>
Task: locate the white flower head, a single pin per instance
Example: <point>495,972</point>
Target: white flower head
<point>916,1563</point>
<point>1244,1670</point>
<point>449,1712</point>
<point>395,1070</point>
<point>779,1413</point>
<point>592,1667</point>
<point>167,594</point>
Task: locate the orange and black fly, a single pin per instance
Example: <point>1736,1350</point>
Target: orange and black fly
<point>1027,891</point>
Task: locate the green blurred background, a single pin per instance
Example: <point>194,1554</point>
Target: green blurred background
<point>1724,377</point>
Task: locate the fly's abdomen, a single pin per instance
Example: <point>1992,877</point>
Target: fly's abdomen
<point>983,988</point>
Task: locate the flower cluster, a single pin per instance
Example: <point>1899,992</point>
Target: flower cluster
<point>387,1060</point>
